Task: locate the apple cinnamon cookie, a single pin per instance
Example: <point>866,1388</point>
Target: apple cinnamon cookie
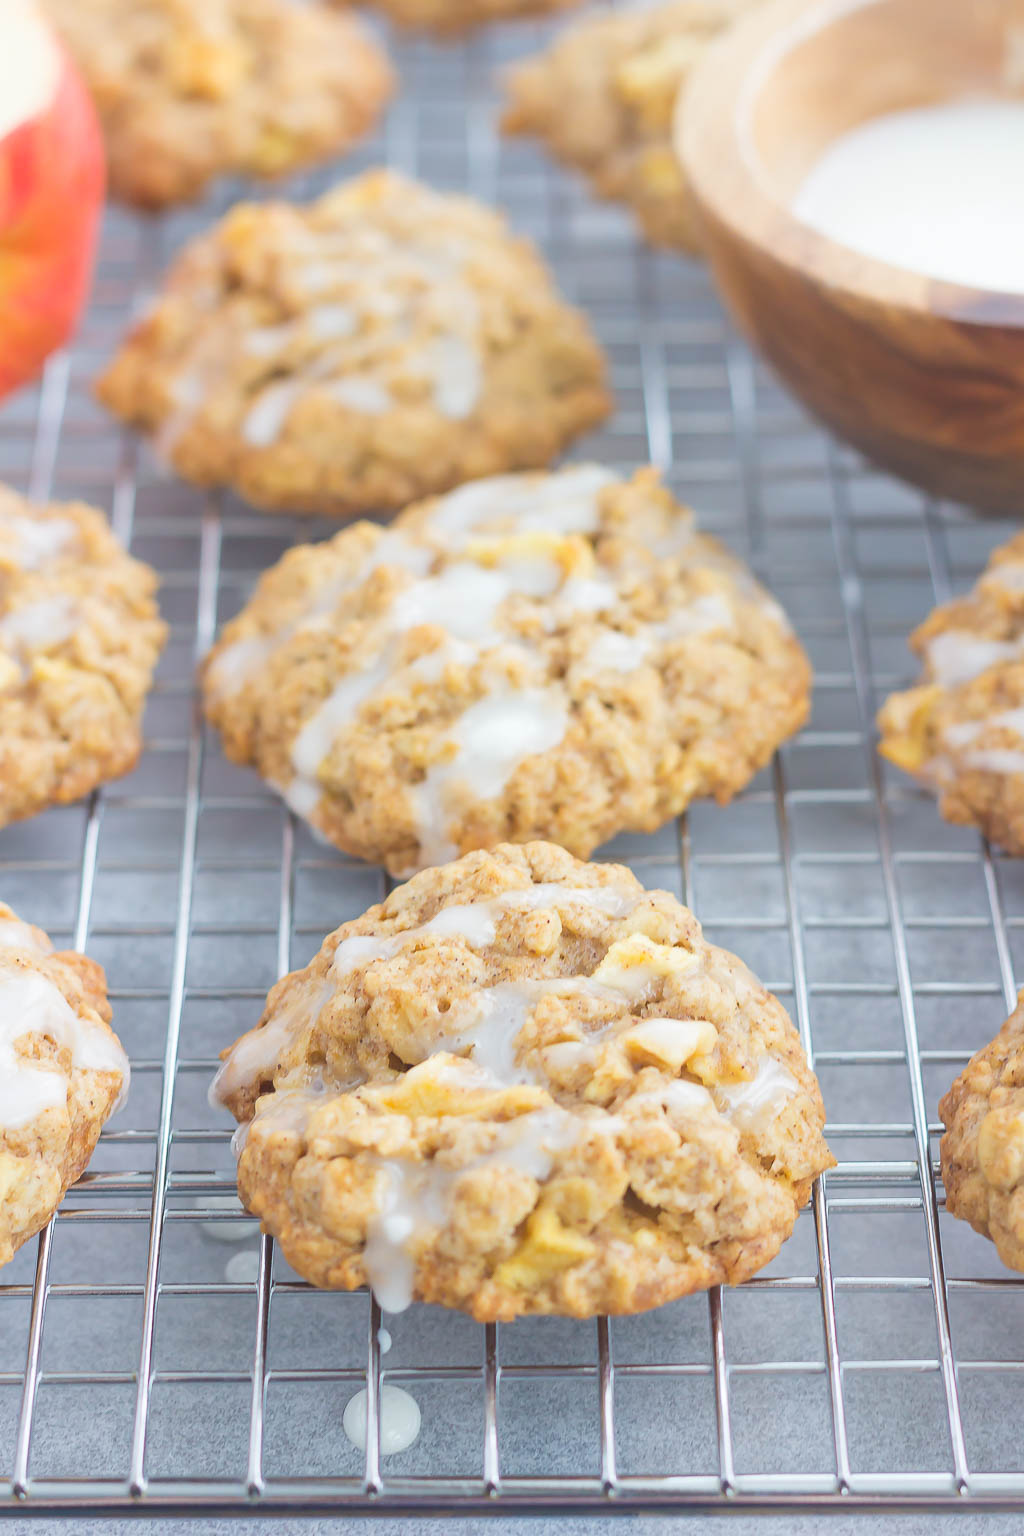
<point>982,1151</point>
<point>62,1074</point>
<point>544,655</point>
<point>449,18</point>
<point>188,90</point>
<point>960,731</point>
<point>383,343</point>
<point>80,634</point>
<point>523,1084</point>
<point>601,99</point>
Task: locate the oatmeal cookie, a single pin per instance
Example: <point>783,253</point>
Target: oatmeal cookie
<point>524,1084</point>
<point>982,1151</point>
<point>80,635</point>
<point>449,18</point>
<point>62,1074</point>
<point>383,343</point>
<point>188,90</point>
<point>601,98</point>
<point>961,730</point>
<point>544,655</point>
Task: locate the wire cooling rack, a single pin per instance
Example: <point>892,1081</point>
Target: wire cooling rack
<point>147,1364</point>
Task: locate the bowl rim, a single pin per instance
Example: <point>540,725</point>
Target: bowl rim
<point>712,142</point>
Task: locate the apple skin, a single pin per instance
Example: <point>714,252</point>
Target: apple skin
<point>52,181</point>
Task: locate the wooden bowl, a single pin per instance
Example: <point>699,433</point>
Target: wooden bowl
<point>926,377</point>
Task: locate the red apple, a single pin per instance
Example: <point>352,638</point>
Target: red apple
<point>51,192</point>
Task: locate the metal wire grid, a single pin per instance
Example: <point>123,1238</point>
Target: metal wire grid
<point>877,1362</point>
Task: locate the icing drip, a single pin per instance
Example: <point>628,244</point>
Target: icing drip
<point>270,410</point>
<point>492,739</point>
<point>615,652</point>
<point>17,935</point>
<point>41,625</point>
<point>399,1419</point>
<point>563,503</point>
<point>256,1053</point>
<point>31,1004</point>
<point>417,1198</point>
<point>38,541</point>
<point>994,759</point>
<point>957,655</point>
<point>755,1103</point>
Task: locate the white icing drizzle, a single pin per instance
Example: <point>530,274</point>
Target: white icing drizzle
<point>453,365</point>
<point>562,503</point>
<point>38,540</point>
<point>39,625</point>
<point>314,741</point>
<point>492,738</point>
<point>1003,760</point>
<point>31,1003</point>
<point>227,1231</point>
<point>758,1101</point>
<point>994,759</point>
<point>258,1051</point>
<point>17,935</point>
<point>261,341</point>
<point>416,1198</point>
<point>269,411</point>
<point>615,652</point>
<point>1007,574</point>
<point>362,393</point>
<point>237,662</point>
<point>957,655</point>
<point>399,1419</point>
<point>242,1268</point>
<point>329,322</point>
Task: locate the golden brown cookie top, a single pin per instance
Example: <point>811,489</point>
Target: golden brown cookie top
<point>80,634</point>
<point>189,89</point>
<point>523,1083</point>
<point>602,95</point>
<point>343,355</point>
<point>504,630</point>
<point>961,728</point>
<point>62,1073</point>
<point>983,1148</point>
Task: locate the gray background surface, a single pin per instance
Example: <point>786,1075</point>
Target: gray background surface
<point>875,922</point>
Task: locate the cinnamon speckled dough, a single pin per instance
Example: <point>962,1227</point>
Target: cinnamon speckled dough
<point>550,655</point>
<point>79,637</point>
<point>191,89</point>
<point>62,1074</point>
<point>383,343</point>
<point>523,1084</point>
<point>983,1149</point>
<point>601,98</point>
<point>960,731</point>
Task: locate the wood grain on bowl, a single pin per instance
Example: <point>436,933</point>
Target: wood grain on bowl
<point>923,376</point>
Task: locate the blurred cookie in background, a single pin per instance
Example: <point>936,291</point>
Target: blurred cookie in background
<point>188,90</point>
<point>601,99</point>
<point>349,355</point>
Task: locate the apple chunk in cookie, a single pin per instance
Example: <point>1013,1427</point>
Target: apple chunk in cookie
<point>524,1084</point>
